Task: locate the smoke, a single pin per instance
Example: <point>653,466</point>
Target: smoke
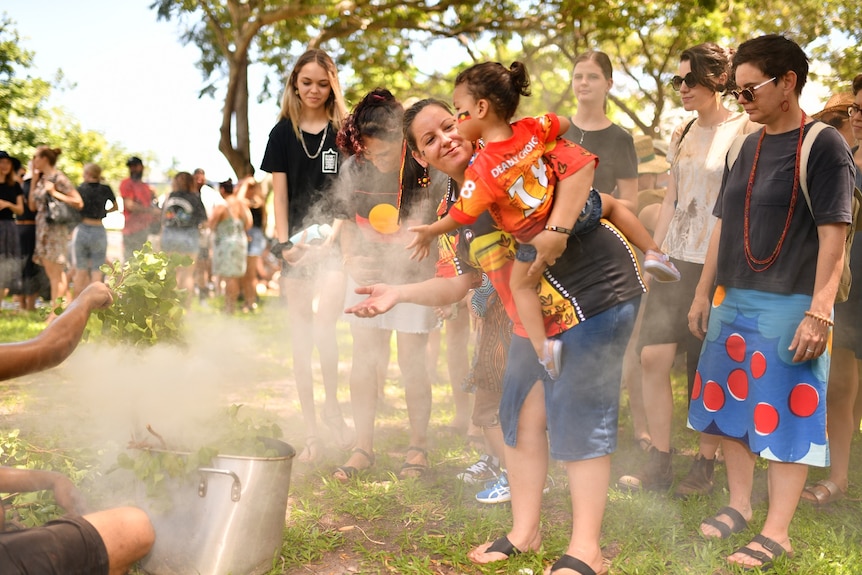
<point>104,397</point>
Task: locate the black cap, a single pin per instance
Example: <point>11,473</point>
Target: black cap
<point>134,160</point>
<point>4,155</point>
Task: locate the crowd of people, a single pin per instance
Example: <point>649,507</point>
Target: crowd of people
<point>534,224</point>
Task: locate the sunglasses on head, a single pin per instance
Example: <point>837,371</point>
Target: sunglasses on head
<point>689,79</point>
<point>853,109</point>
<point>748,93</point>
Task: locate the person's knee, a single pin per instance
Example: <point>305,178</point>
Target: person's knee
<point>127,533</point>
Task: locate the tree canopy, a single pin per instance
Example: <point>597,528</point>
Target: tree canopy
<point>29,122</point>
<point>375,42</point>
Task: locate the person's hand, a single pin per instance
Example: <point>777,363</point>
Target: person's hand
<point>97,296</point>
<point>381,298</point>
<point>364,270</point>
<point>421,242</point>
<point>698,316</point>
<point>810,339</point>
<point>549,246</point>
<point>67,495</point>
<point>296,255</point>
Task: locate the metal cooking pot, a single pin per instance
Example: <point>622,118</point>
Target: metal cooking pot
<point>229,522</point>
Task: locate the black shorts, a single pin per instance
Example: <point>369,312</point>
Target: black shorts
<point>665,317</point>
<point>67,546</point>
<point>848,315</point>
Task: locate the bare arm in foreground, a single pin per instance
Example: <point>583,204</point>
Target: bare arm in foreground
<point>58,340</point>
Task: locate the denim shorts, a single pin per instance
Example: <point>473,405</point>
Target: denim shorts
<point>582,406</point>
<point>256,242</point>
<point>587,220</point>
<point>90,248</point>
<point>181,241</point>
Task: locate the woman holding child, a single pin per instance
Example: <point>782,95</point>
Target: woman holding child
<point>590,297</point>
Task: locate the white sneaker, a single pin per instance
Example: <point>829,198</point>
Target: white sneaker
<point>498,492</point>
<point>484,470</point>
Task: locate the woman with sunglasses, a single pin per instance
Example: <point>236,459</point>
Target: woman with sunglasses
<point>697,152</point>
<point>775,265</point>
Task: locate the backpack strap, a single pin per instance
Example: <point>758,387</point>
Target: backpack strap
<point>733,151</point>
<point>805,152</point>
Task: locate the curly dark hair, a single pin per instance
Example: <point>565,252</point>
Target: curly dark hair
<point>502,87</point>
<point>379,115</point>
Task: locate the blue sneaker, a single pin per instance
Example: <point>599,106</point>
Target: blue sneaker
<point>496,492</point>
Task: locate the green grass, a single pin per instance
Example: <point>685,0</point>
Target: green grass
<point>378,524</point>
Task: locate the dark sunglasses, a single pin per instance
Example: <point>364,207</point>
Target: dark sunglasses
<point>748,93</point>
<point>853,109</point>
<point>689,79</point>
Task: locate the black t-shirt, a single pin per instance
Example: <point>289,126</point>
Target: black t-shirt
<point>183,210</point>
<point>615,148</point>
<point>308,179</point>
<point>10,194</point>
<point>370,199</point>
<point>28,215</point>
<point>95,196</point>
<point>831,173</point>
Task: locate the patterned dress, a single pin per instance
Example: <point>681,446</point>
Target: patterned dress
<point>230,248</point>
<point>52,240</point>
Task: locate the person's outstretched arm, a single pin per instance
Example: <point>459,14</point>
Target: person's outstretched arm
<point>425,234</point>
<point>58,340</point>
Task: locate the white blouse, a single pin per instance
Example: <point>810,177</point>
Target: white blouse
<point>697,167</point>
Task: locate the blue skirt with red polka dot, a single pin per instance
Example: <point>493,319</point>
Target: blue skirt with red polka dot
<point>747,386</point>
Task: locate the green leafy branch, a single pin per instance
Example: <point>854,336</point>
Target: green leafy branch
<point>147,306</point>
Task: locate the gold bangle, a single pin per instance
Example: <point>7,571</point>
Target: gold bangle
<point>819,318</point>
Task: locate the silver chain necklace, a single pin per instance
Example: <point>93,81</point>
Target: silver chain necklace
<point>319,148</point>
<point>583,133</point>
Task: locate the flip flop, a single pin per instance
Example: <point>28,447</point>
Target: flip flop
<point>575,564</point>
<point>766,561</point>
<point>504,546</point>
<point>737,522</point>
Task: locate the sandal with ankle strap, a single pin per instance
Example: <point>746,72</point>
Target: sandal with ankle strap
<point>414,470</point>
<point>348,472</point>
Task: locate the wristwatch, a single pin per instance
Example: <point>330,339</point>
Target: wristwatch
<point>277,249</point>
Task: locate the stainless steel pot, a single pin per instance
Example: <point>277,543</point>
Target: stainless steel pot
<point>229,522</point>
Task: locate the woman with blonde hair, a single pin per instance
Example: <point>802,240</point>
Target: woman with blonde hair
<point>303,159</point>
<point>52,238</point>
<point>90,244</point>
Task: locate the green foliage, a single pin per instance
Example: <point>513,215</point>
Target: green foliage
<point>147,306</point>
<point>35,508</point>
<point>28,121</point>
<point>160,469</point>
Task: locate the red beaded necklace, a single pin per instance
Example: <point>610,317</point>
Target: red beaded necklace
<point>759,265</point>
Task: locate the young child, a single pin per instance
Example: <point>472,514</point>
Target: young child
<point>510,177</point>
